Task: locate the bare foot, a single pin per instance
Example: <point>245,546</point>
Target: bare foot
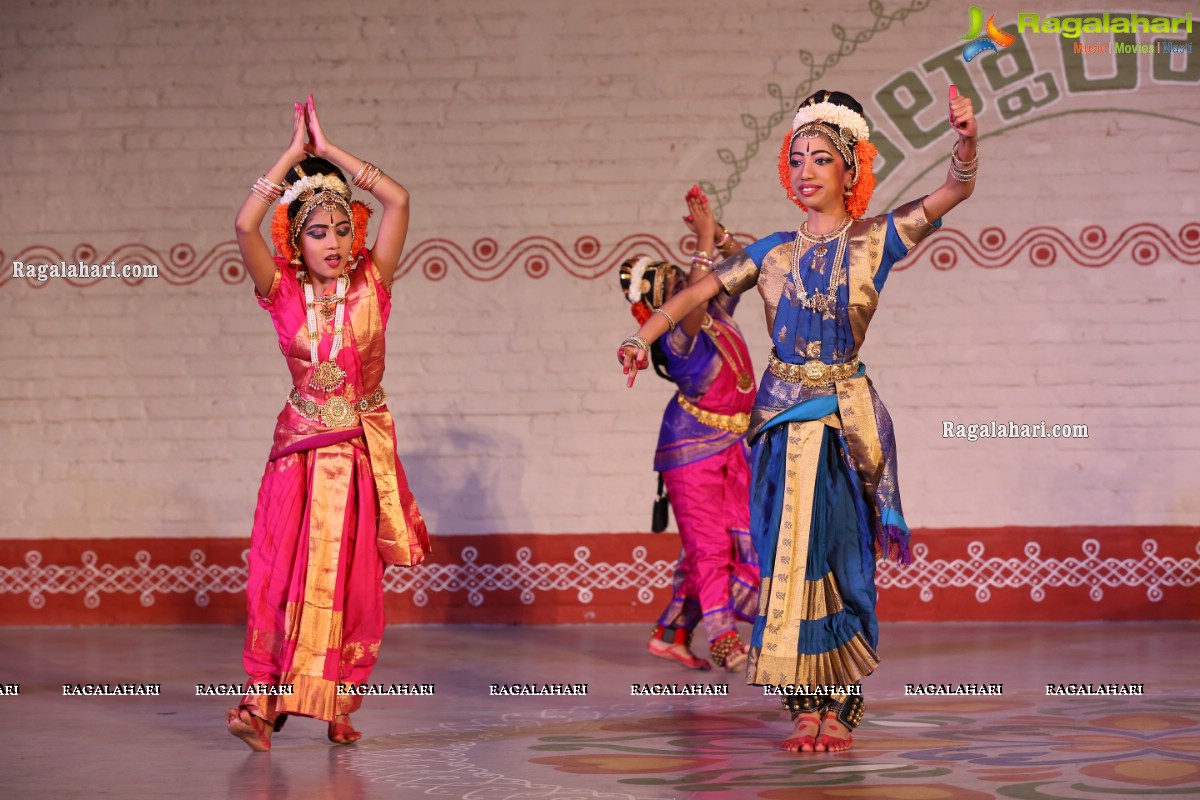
<point>341,731</point>
<point>676,652</point>
<point>252,730</point>
<point>803,738</point>
<point>736,660</point>
<point>834,735</point>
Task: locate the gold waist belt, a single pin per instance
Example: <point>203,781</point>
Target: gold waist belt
<point>811,373</point>
<point>734,423</point>
<point>336,412</point>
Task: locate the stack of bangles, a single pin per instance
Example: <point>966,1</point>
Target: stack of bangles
<point>636,341</point>
<point>266,191</point>
<point>704,262</point>
<point>367,176</point>
<point>963,171</point>
<point>726,243</point>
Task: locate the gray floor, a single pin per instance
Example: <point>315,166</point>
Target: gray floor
<point>463,743</point>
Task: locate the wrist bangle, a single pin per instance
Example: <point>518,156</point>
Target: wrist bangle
<point>637,341</point>
<point>958,162</point>
<point>670,321</point>
<point>266,191</point>
<point>367,176</point>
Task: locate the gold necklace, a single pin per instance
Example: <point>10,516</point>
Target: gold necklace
<point>824,303</point>
<point>328,305</point>
<point>820,239</point>
<point>745,381</point>
<point>326,375</point>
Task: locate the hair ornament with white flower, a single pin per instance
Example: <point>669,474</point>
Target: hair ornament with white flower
<point>313,183</point>
<point>636,273</point>
<point>838,117</point>
<point>646,284</point>
<point>846,119</point>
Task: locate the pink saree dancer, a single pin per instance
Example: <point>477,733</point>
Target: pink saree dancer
<point>315,597</point>
<point>334,505</point>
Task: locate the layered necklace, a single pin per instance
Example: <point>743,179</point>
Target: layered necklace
<point>823,303</point>
<point>326,375</point>
<point>745,381</point>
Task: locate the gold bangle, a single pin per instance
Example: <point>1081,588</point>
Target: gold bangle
<point>670,322</point>
<point>637,341</point>
<point>367,176</point>
<point>258,192</point>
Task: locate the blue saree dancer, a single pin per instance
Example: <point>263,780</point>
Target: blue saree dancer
<point>824,496</point>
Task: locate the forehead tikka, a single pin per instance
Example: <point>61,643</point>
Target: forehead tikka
<point>327,200</point>
<point>812,130</point>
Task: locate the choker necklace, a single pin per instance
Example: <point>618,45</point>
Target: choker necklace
<point>328,305</point>
<point>823,303</point>
<point>326,375</point>
<point>745,382</point>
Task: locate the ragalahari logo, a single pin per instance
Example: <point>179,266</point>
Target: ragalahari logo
<point>984,37</point>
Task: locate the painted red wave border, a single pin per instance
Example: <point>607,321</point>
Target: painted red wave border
<point>587,258</point>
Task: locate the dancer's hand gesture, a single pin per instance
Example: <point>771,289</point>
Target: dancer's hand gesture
<point>318,144</point>
<point>962,115</point>
<point>632,359</point>
<point>296,147</point>
<point>700,220</point>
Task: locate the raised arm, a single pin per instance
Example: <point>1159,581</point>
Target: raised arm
<point>247,226</point>
<point>393,224</point>
<point>960,180</point>
<point>712,238</point>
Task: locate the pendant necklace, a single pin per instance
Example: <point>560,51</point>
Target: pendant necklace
<point>326,375</point>
<point>824,303</point>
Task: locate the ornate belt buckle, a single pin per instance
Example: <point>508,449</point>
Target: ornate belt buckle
<point>337,413</point>
<point>815,371</point>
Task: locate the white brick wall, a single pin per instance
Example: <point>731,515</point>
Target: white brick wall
<point>147,410</point>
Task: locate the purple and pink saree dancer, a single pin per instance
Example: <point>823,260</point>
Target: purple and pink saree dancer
<point>702,456</point>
